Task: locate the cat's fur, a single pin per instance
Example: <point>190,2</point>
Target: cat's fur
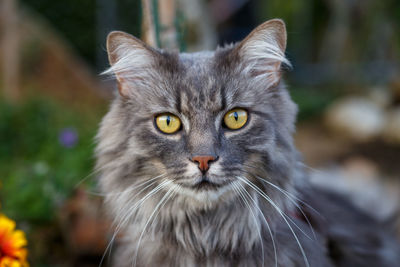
<point>253,217</point>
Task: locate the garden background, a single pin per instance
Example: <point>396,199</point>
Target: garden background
<point>345,79</point>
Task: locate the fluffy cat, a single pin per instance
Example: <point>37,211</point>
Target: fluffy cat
<point>198,165</point>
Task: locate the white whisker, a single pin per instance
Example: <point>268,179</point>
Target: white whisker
<point>287,192</point>
<point>89,175</point>
<point>294,223</point>
<point>131,210</point>
<point>266,223</point>
<point>122,195</point>
<point>291,200</point>
<point>156,209</point>
<point>258,190</point>
<point>311,168</point>
<point>254,217</point>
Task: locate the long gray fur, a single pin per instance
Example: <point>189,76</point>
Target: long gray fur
<point>161,219</point>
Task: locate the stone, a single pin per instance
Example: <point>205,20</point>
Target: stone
<point>391,131</point>
<point>356,118</point>
<point>381,96</point>
<point>359,180</point>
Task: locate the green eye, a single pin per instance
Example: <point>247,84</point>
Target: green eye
<point>168,123</point>
<point>235,118</point>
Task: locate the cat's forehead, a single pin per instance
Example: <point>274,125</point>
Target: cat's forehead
<point>197,65</point>
<point>199,86</point>
<point>198,58</point>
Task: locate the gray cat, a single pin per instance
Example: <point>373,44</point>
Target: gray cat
<point>198,165</point>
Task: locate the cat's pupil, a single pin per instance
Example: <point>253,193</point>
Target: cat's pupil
<point>168,120</point>
<point>236,115</point>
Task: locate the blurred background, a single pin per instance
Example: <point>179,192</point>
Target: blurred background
<point>345,79</point>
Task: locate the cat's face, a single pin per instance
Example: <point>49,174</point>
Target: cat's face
<point>198,123</point>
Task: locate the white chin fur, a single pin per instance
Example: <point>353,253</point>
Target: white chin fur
<point>207,196</point>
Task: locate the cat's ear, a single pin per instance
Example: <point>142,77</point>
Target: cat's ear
<point>130,60</point>
<point>263,51</point>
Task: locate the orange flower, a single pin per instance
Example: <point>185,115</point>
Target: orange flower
<point>12,243</point>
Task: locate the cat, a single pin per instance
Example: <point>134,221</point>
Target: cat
<point>198,165</point>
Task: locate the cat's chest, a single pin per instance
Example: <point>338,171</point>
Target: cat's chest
<point>208,241</point>
<point>159,252</point>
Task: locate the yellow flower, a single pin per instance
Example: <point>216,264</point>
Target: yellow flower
<point>12,245</point>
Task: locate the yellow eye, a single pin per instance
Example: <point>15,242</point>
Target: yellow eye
<point>236,118</point>
<point>168,123</point>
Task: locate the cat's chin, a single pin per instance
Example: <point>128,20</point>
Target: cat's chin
<point>206,184</point>
<point>207,192</point>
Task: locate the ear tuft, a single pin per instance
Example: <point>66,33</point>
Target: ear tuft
<point>263,50</point>
<point>130,58</point>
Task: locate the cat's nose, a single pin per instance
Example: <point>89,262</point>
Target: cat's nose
<point>204,161</point>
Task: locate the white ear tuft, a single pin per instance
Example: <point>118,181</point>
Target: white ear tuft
<point>130,60</point>
<point>263,50</point>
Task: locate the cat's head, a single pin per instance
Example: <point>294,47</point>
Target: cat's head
<point>199,126</point>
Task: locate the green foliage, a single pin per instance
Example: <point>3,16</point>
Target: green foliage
<point>37,172</point>
<point>311,101</point>
<point>76,21</point>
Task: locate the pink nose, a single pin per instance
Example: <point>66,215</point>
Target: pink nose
<point>203,162</point>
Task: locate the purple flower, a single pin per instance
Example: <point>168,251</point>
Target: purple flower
<point>68,137</point>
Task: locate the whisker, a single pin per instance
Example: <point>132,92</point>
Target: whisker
<point>266,223</point>
<point>280,212</point>
<point>293,222</point>
<point>133,209</point>
<point>123,193</point>
<point>152,180</point>
<point>310,168</point>
<point>175,188</point>
<point>291,200</point>
<point>130,211</point>
<point>287,192</point>
<point>131,188</point>
<point>88,176</point>
<point>154,213</point>
<point>97,194</point>
<point>255,219</point>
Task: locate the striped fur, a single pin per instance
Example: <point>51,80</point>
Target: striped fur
<point>149,181</point>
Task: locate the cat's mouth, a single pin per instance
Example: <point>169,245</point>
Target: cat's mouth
<point>203,184</point>
<point>206,184</point>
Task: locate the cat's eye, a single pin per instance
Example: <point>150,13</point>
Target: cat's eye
<point>168,123</point>
<point>235,118</point>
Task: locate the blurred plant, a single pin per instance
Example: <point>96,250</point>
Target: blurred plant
<point>311,101</point>
<point>68,137</point>
<point>12,244</point>
<point>77,21</point>
<point>32,161</point>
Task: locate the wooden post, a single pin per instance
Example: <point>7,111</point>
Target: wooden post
<point>148,26</point>
<point>168,34</point>
<point>200,22</point>
<point>10,50</point>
